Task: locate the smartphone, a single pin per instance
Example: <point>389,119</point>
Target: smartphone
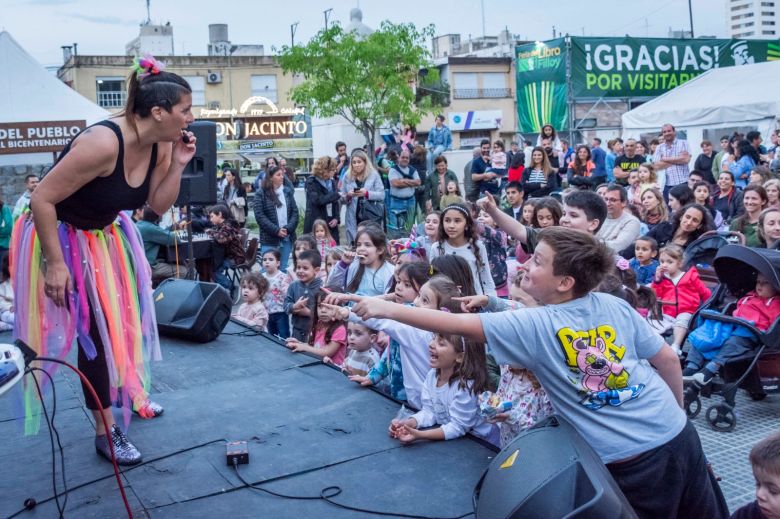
<point>185,138</point>
<point>356,190</point>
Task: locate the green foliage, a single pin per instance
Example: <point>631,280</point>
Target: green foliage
<point>368,81</point>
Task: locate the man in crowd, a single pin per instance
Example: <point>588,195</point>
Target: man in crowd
<point>673,156</point>
<point>342,160</point>
<point>30,182</point>
<point>718,159</point>
<point>621,228</point>
<point>513,150</point>
<point>439,141</point>
<point>598,156</point>
<point>479,167</point>
<point>404,180</point>
<point>755,140</point>
<point>626,162</point>
<point>705,160</point>
<point>552,156</point>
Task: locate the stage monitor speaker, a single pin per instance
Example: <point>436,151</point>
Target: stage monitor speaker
<point>191,310</point>
<point>199,178</point>
<point>549,471</point>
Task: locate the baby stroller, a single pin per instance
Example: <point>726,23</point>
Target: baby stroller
<point>757,371</point>
<point>701,253</point>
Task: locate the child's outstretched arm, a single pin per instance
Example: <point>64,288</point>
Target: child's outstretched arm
<point>505,222</point>
<point>467,325</point>
<point>667,364</point>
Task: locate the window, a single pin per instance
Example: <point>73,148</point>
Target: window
<point>198,85</point>
<point>767,4</point>
<point>265,85</point>
<point>494,85</point>
<point>768,33</point>
<point>767,23</point>
<point>466,86</point>
<point>111,92</point>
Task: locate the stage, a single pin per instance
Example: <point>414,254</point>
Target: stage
<point>308,428</point>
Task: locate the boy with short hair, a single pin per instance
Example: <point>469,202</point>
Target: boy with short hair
<point>645,262</point>
<point>594,355</point>
<point>301,297</point>
<point>582,210</point>
<point>514,195</point>
<point>765,459</point>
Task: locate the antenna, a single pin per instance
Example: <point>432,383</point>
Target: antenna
<point>148,13</point>
<point>482,2</point>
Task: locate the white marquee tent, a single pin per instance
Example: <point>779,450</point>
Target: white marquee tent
<point>29,93</point>
<point>740,97</point>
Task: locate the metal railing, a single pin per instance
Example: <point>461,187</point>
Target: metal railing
<point>112,99</point>
<point>478,93</point>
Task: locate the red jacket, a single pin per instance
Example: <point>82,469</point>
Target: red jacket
<point>686,296</point>
<point>761,311</point>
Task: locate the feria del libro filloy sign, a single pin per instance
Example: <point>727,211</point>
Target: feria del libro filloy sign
<point>635,67</point>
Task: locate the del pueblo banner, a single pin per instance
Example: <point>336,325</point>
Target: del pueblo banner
<point>541,85</point>
<point>639,67</point>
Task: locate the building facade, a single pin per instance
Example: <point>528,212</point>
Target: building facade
<point>755,19</point>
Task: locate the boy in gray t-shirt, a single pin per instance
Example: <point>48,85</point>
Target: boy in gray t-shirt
<point>595,357</point>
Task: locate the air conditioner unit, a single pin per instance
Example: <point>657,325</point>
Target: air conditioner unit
<point>214,105</point>
<point>214,77</point>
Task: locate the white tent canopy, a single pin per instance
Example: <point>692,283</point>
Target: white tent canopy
<point>744,96</point>
<point>29,93</point>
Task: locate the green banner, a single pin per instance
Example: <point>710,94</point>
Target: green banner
<point>541,85</point>
<point>636,67</point>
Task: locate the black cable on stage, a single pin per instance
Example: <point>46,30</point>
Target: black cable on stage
<point>60,509</point>
<point>53,427</point>
<point>328,493</point>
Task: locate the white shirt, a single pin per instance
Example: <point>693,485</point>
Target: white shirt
<point>281,211</point>
<point>483,280</point>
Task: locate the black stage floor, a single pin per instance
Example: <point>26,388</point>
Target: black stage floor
<point>308,428</point>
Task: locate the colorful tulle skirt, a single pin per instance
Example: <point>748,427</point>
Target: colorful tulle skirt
<point>111,278</point>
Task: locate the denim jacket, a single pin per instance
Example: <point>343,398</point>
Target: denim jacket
<point>440,137</point>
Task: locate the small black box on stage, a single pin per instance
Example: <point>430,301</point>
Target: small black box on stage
<point>237,452</point>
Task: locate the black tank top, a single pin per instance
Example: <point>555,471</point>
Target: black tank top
<point>98,202</point>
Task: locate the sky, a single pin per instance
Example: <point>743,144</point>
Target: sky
<point>105,26</point>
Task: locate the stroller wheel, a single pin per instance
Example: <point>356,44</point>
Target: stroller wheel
<point>721,417</point>
<point>693,406</point>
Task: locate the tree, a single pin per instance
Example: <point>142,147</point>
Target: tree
<point>367,80</point>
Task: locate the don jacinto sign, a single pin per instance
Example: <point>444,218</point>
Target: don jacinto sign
<point>37,137</point>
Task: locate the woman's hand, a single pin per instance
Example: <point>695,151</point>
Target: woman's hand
<point>360,193</point>
<point>183,152</point>
<point>282,233</point>
<point>333,223</point>
<point>57,282</point>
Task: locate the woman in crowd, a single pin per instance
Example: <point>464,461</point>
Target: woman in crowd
<point>435,185</point>
<point>322,197</point>
<point>135,158</point>
<point>653,208</point>
<point>234,195</point>
<point>754,201</point>
<point>580,169</point>
<point>769,227</point>
<point>746,159</point>
<point>289,172</point>
<point>772,187</point>
<point>277,214</point>
<point>686,226</point>
<point>728,200</point>
<point>270,162</point>
<point>362,186</point>
<point>539,179</point>
<point>679,196</point>
<point>760,175</point>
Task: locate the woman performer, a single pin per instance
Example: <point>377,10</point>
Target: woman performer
<point>78,263</point>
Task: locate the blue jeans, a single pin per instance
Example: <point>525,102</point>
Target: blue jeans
<point>279,324</point>
<point>432,154</point>
<point>399,205</point>
<point>733,347</point>
<point>220,273</point>
<point>285,248</point>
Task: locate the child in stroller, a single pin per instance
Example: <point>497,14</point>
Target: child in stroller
<point>762,307</point>
<point>737,329</point>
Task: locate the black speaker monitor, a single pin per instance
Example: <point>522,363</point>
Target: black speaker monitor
<point>199,178</point>
<point>191,310</point>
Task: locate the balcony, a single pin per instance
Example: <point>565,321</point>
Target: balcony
<point>481,93</point>
<point>112,99</point>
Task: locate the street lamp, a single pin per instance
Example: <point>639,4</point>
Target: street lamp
<point>327,15</point>
<point>293,28</point>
